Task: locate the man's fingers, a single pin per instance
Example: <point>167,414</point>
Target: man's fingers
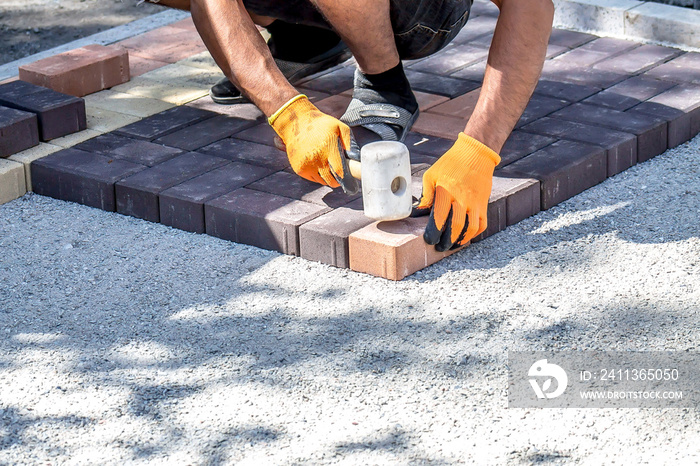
<point>473,226</point>
<point>432,233</point>
<point>459,218</point>
<point>445,242</point>
<point>328,177</point>
<point>441,207</point>
<point>460,239</point>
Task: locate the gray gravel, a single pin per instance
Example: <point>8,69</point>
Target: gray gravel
<point>126,342</point>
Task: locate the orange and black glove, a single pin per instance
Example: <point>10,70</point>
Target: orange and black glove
<point>456,192</point>
<point>315,143</point>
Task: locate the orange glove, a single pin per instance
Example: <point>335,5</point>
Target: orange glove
<point>457,187</point>
<point>315,143</point>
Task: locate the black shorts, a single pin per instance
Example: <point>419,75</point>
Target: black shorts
<point>421,27</point>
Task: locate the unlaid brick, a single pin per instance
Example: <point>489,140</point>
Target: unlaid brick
<point>248,152</point>
<point>620,147</point>
<point>12,181</point>
<point>137,195</point>
<point>82,177</point>
<point>564,169</point>
<point>81,71</point>
<point>182,206</point>
<point>165,123</point>
<point>325,238</point>
<point>651,132</point>
<point>19,130</point>
<point>392,250</point>
<point>58,114</point>
<point>259,219</point>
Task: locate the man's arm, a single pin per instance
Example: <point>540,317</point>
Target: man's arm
<point>240,51</point>
<point>457,187</point>
<point>514,65</point>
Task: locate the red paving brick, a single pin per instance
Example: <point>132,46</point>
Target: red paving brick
<point>81,71</point>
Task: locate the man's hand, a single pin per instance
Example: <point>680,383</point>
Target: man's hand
<point>315,143</point>
<point>456,192</point>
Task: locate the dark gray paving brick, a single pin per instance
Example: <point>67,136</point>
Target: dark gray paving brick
<point>293,186</point>
<point>137,195</point>
<point>19,130</point>
<point>206,132</point>
<point>82,177</point>
<point>248,152</point>
<point>259,219</point>
<point>182,206</point>
<point>164,123</point>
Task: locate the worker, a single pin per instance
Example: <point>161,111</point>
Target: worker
<point>380,34</point>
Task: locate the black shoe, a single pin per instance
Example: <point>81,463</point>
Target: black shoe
<point>225,93</point>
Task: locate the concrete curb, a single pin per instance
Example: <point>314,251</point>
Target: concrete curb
<point>631,19</point>
<point>107,37</point>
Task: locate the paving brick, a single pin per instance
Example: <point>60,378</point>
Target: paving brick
<point>293,186</point>
<point>182,75</point>
<point>75,138</point>
<point>182,206</point>
<point>325,238</point>
<point>203,61</point>
<point>621,148</point>
<point>679,70</point>
<point>522,196</point>
<point>26,158</point>
<point>139,65</point>
<point>538,107</point>
<point>576,73</point>
<point>565,91</point>
<point>555,51</point>
<point>133,150</point>
<point>81,71</point>
<point>261,134</point>
<point>581,58</point>
<point>651,132</point>
<point>79,176</point>
<point>439,125</point>
<point>564,169</point>
<point>629,93</point>
<point>570,39</point>
<point>137,195</point>
<point>461,107</point>
<point>166,44</point>
<point>127,104</point>
<point>475,28</point>
<point>259,219</point>
<point>165,123</point>
<point>519,144</point>
<point>639,59</point>
<point>392,250</point>
<point>248,152</point>
<point>451,59</point>
<point>103,121</point>
<point>486,8</point>
<point>440,85</point>
<point>335,82</point>
<point>205,133</point>
<point>473,73</point>
<point>609,46</point>
<point>12,183</point>
<point>18,131</point>
<point>427,101</point>
<point>247,112</point>
<point>58,114</point>
<point>680,107</point>
<point>176,94</point>
<point>334,105</point>
<point>418,143</point>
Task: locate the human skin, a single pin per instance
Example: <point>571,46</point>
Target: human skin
<point>514,63</point>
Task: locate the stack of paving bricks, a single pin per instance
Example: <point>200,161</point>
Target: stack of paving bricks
<point>28,114</point>
<point>601,106</point>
